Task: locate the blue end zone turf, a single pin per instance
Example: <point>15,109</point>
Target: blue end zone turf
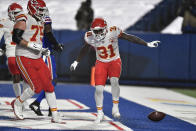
<point>133,115</point>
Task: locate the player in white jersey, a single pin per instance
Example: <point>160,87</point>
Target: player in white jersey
<point>27,34</point>
<point>108,63</point>
<point>6,28</point>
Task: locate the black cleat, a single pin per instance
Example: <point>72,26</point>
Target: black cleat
<point>35,106</point>
<point>49,112</point>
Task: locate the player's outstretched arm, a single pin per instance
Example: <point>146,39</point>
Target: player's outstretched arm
<point>83,52</point>
<point>49,35</point>
<point>138,40</point>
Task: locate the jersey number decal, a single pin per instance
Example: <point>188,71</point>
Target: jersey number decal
<point>38,29</point>
<point>103,52</point>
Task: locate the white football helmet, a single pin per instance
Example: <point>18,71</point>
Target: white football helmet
<point>37,8</point>
<point>99,28</point>
<point>13,10</point>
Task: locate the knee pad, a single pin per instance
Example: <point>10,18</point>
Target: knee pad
<point>99,89</point>
<point>114,81</point>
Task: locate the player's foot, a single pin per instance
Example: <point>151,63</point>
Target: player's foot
<point>17,107</point>
<point>25,105</point>
<point>57,119</point>
<point>49,112</point>
<point>100,117</point>
<point>35,106</point>
<point>115,112</point>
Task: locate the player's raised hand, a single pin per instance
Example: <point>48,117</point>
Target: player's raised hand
<point>153,44</point>
<point>73,65</point>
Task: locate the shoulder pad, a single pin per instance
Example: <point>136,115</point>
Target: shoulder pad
<point>89,33</point>
<point>113,28</point>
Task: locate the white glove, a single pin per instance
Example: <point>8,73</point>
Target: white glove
<point>73,65</point>
<point>45,51</point>
<point>35,46</point>
<point>153,43</point>
<point>1,52</point>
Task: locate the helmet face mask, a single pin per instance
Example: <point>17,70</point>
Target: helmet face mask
<point>37,8</point>
<point>99,28</point>
<point>14,9</point>
<point>100,33</point>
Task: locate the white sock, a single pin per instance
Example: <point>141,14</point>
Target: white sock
<point>115,88</point>
<point>24,86</point>
<point>28,93</point>
<point>99,97</point>
<point>115,105</point>
<point>17,89</point>
<point>51,100</point>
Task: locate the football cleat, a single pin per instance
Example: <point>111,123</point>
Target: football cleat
<point>100,117</point>
<point>49,112</point>
<point>115,112</point>
<point>17,107</point>
<point>36,108</point>
<point>57,119</point>
<point>25,105</point>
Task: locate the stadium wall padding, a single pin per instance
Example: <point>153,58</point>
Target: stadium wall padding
<point>172,63</point>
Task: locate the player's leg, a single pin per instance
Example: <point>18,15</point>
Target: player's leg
<point>35,106</point>
<point>114,74</point>
<point>51,63</point>
<point>24,87</point>
<point>13,69</point>
<point>46,81</point>
<point>115,96</point>
<point>26,70</point>
<point>100,79</point>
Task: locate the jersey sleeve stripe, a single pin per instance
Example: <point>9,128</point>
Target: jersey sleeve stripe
<point>20,16</point>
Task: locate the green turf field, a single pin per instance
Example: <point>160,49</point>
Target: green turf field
<point>189,92</point>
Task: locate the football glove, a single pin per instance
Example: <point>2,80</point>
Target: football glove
<point>45,51</point>
<point>59,47</point>
<point>73,65</point>
<point>153,44</point>
<point>35,46</point>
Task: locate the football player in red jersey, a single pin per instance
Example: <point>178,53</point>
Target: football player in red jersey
<point>6,28</point>
<point>27,34</point>
<point>108,63</point>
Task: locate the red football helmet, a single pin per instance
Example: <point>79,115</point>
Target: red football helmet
<point>13,9</point>
<point>37,8</point>
<point>99,28</point>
